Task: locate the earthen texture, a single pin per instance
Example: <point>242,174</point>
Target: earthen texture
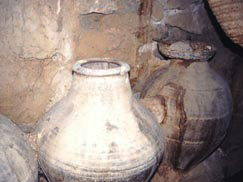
<point>196,100</point>
<point>17,160</point>
<point>39,41</point>
<point>103,135</point>
<point>35,49</point>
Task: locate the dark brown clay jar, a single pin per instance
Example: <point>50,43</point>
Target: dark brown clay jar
<point>17,160</point>
<point>211,169</point>
<point>99,132</point>
<point>161,76</point>
<point>197,107</point>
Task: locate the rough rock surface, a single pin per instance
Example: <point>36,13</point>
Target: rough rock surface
<point>40,40</point>
<point>34,53</point>
<point>108,6</point>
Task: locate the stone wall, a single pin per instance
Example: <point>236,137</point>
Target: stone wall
<point>40,40</point>
<point>35,50</point>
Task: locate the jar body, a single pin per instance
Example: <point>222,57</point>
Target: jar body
<point>17,160</point>
<point>99,132</point>
<point>197,111</point>
<point>211,169</point>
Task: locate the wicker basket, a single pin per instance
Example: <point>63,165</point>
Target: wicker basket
<point>229,13</point>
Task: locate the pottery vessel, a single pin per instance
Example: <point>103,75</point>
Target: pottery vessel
<point>229,15</point>
<point>17,160</point>
<point>197,105</point>
<point>99,131</point>
<point>209,170</point>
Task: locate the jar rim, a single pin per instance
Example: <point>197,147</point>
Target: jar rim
<point>118,67</point>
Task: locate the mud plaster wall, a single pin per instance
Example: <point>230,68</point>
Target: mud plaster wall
<point>40,40</point>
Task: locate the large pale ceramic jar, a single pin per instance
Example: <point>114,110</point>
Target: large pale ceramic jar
<point>99,131</point>
<point>17,160</point>
<point>197,105</point>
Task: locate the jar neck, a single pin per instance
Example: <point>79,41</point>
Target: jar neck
<point>199,66</point>
<point>102,83</point>
<point>105,91</point>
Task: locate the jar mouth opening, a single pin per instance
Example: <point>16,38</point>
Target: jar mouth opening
<point>101,67</point>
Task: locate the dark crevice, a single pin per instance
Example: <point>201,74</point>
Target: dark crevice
<point>236,178</point>
<point>95,13</point>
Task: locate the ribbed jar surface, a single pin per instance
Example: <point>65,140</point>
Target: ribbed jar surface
<point>99,131</point>
<point>230,16</point>
<point>197,110</point>
<point>17,160</point>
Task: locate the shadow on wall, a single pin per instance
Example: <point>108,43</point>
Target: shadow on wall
<point>223,37</point>
<point>236,178</point>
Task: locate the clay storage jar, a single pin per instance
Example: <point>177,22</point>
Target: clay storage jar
<point>197,105</point>
<point>99,131</point>
<point>17,160</point>
<point>230,16</point>
<point>212,169</point>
